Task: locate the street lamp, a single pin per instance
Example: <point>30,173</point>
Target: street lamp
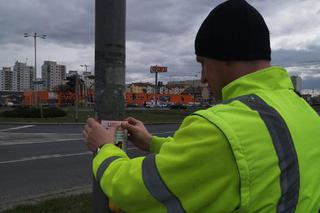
<point>86,66</point>
<point>35,36</point>
<point>85,92</point>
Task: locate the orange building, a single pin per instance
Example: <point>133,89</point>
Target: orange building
<point>140,99</point>
<point>68,98</point>
<point>40,97</point>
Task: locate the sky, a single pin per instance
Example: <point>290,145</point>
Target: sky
<point>157,33</point>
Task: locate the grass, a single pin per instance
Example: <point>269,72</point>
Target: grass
<point>66,119</point>
<point>159,115</point>
<point>147,116</point>
<point>72,204</point>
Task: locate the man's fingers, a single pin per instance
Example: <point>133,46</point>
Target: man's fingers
<point>132,120</point>
<point>85,134</point>
<point>92,122</point>
<point>87,129</point>
<point>113,128</point>
<point>129,127</point>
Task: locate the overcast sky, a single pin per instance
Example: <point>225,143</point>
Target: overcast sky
<point>158,32</point>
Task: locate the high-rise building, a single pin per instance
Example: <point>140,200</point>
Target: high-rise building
<point>297,83</point>
<point>62,69</point>
<point>25,76</point>
<point>53,74</point>
<point>8,79</point>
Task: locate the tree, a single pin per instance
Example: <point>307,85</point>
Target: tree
<point>70,85</point>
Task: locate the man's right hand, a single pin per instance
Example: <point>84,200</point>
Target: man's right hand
<point>139,135</point>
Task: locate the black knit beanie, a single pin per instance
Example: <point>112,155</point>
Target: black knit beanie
<point>234,30</point>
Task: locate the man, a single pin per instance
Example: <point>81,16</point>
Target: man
<point>257,151</point>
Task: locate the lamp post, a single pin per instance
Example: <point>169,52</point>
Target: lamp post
<point>35,36</point>
<point>194,93</point>
<point>85,66</point>
<point>85,92</point>
<point>76,118</point>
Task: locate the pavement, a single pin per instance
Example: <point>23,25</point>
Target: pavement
<point>40,161</point>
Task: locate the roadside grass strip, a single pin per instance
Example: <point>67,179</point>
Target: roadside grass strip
<point>71,204</point>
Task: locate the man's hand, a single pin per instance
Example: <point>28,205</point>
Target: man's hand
<point>96,135</point>
<point>139,135</point>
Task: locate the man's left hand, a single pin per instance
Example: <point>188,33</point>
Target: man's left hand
<point>96,135</point>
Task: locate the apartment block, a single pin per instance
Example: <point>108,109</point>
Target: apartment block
<point>25,76</point>
<point>53,74</point>
<point>8,79</point>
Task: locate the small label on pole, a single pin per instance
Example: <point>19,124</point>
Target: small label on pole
<point>121,140</point>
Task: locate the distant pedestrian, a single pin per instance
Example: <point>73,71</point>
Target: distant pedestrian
<point>257,151</point>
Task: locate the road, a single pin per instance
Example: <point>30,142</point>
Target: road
<point>39,161</point>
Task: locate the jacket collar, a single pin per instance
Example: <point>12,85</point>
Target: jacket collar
<point>271,78</point>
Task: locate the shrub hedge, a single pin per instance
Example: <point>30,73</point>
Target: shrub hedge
<point>33,112</point>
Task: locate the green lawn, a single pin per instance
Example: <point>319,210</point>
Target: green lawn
<point>147,116</point>
<point>72,204</point>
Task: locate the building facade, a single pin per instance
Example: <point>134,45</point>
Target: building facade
<point>53,74</point>
<point>186,83</point>
<point>140,88</point>
<point>8,79</point>
<point>25,76</point>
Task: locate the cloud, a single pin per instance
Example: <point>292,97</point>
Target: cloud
<point>158,32</point>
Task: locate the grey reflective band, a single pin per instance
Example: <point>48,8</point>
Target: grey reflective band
<point>283,144</point>
<point>157,187</point>
<point>104,165</point>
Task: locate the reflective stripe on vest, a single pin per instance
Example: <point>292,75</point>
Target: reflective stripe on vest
<point>283,144</point>
<point>157,187</point>
<point>104,165</point>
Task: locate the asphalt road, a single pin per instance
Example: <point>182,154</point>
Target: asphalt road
<point>40,161</point>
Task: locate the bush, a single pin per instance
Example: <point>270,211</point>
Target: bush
<point>32,112</point>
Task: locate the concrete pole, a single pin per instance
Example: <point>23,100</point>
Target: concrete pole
<point>109,72</point>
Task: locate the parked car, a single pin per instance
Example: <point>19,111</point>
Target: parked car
<point>9,103</point>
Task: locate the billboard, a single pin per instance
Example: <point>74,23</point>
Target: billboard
<point>156,69</point>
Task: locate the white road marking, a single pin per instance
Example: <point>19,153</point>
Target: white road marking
<point>52,141</point>
<point>16,128</point>
<point>44,157</point>
<point>39,142</point>
<point>29,137</point>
